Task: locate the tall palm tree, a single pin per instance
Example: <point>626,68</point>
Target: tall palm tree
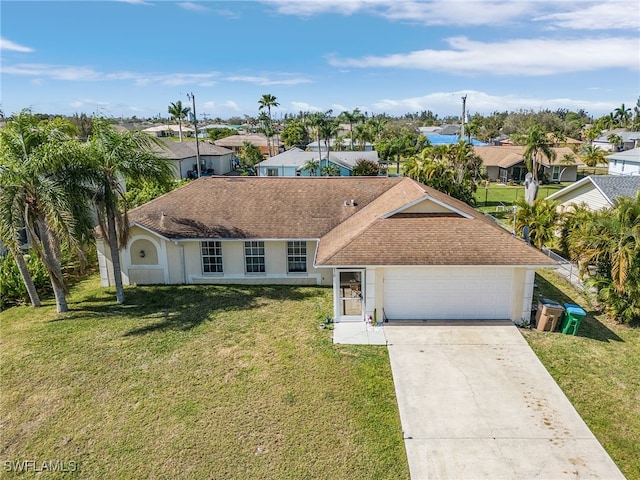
<point>114,158</point>
<point>42,190</point>
<point>623,115</point>
<point>179,113</point>
<point>536,143</point>
<point>267,101</point>
<point>352,118</point>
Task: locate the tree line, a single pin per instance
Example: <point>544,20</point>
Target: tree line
<point>57,189</point>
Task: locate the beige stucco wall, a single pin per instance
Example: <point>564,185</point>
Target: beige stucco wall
<point>179,262</point>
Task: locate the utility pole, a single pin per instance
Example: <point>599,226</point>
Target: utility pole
<point>192,97</point>
<point>464,116</point>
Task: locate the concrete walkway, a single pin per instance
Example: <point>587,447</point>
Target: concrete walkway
<point>476,403</point>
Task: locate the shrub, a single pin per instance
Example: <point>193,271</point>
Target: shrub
<point>12,289</point>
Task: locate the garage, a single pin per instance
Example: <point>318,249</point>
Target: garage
<point>438,293</point>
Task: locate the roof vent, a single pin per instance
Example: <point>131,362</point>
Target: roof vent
<point>350,203</point>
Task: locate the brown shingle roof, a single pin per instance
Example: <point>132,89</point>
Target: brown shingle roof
<point>506,156</point>
<point>238,140</point>
<point>377,230</point>
<point>178,150</point>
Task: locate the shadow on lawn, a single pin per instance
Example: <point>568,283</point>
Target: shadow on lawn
<point>183,307</point>
<point>590,327</point>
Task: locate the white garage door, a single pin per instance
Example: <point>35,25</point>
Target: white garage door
<point>448,293</point>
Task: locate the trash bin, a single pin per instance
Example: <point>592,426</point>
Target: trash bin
<point>573,318</point>
<point>548,314</point>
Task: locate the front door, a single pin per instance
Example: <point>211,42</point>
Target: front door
<point>350,294</point>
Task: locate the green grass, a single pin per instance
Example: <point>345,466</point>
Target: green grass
<point>222,382</point>
<point>497,196</point>
<point>598,370</point>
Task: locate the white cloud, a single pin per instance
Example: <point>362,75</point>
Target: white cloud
<point>583,14</point>
<point>261,80</point>
<point>305,107</point>
<point>607,15</point>
<point>526,57</point>
<point>75,73</point>
<point>211,107</point>
<point>10,46</point>
<point>194,7</point>
<point>449,103</point>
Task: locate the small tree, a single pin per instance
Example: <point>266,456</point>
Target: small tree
<point>250,156</point>
<point>366,168</point>
<point>541,217</point>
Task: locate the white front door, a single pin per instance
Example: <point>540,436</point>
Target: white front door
<point>350,294</point>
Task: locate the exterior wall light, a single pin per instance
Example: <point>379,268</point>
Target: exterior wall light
<point>142,254</point>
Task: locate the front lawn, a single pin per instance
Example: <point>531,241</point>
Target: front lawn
<point>598,370</point>
<point>222,382</point>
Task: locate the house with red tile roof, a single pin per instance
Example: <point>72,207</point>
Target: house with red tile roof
<point>389,247</point>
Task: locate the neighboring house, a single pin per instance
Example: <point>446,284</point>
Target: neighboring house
<point>507,163</point>
<point>169,130</point>
<point>596,191</point>
<point>292,163</point>
<point>236,142</point>
<point>214,160</point>
<point>334,145</point>
<point>390,247</point>
<point>625,163</point>
<point>629,140</point>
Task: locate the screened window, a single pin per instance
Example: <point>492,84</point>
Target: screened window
<point>297,257</point>
<point>212,257</point>
<point>254,257</point>
<point>272,172</point>
<point>555,173</point>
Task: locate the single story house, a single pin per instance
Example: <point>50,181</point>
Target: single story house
<point>292,163</point>
<point>214,160</point>
<point>625,163</point>
<point>507,163</point>
<point>596,191</point>
<point>169,130</point>
<point>236,142</point>
<point>629,140</point>
<point>342,144</point>
<point>389,247</point>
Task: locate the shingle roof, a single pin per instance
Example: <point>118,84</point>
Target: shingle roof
<point>178,150</point>
<point>506,156</point>
<point>295,157</point>
<point>614,186</point>
<point>238,140</point>
<point>394,221</point>
<point>632,155</point>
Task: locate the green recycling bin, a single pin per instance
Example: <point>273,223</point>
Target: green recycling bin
<point>573,315</point>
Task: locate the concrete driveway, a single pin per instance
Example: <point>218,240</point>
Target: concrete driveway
<point>476,403</point>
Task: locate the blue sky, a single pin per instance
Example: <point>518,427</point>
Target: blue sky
<point>125,58</point>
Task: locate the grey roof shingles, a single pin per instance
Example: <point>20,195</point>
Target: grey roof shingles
<point>614,186</point>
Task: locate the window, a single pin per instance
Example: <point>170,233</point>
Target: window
<point>555,173</point>
<point>297,257</point>
<point>254,257</point>
<point>211,257</point>
<point>272,172</point>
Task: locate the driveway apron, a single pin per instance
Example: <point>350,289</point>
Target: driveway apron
<point>476,403</point>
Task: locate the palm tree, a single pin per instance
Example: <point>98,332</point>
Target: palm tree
<point>567,160</point>
<point>114,158</point>
<point>615,140</point>
<point>312,166</point>
<point>540,217</point>
<point>623,115</point>
<point>593,156</point>
<point>608,246</point>
<point>179,113</point>
<point>42,190</point>
<point>536,143</point>
<point>267,101</point>
<point>352,118</point>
